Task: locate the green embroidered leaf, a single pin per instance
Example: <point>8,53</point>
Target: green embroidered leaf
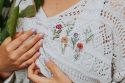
<point>30,11</point>
<point>59,31</point>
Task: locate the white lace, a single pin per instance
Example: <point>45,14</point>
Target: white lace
<point>104,45</point>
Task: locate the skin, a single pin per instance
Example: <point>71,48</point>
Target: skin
<point>18,53</point>
<point>54,7</point>
<point>58,75</point>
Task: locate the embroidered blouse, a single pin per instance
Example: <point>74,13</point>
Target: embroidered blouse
<point>86,41</point>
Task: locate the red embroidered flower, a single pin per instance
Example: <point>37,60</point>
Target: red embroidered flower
<point>80,45</point>
<point>59,26</point>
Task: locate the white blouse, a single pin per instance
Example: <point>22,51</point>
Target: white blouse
<point>86,41</point>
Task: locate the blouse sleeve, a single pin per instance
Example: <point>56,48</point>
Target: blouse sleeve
<point>119,54</point>
<point>117,8</point>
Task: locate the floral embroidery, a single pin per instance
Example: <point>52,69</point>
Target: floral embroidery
<point>70,26</point>
<point>79,45</point>
<point>76,35</point>
<point>64,39</point>
<point>59,26</point>
<point>89,35</point>
<point>62,31</point>
<point>69,29</point>
<point>57,31</point>
<point>78,49</point>
<point>64,42</point>
<point>74,39</point>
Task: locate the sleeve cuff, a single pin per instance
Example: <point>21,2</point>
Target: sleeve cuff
<point>10,79</point>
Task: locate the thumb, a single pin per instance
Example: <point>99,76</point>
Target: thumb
<point>52,67</point>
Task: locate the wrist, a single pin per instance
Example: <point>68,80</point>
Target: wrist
<point>5,75</point>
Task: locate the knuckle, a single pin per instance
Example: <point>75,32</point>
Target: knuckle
<point>52,65</point>
<point>7,48</point>
<point>32,60</point>
<point>27,64</point>
<point>24,65</point>
<point>16,64</point>
<point>34,40</point>
<point>36,47</point>
<point>12,58</point>
<point>21,39</point>
<point>27,54</point>
<point>25,46</point>
<point>29,33</point>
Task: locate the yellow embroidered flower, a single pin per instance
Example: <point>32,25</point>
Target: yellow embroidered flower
<point>64,39</point>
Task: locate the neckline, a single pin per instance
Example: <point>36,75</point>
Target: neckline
<point>61,13</point>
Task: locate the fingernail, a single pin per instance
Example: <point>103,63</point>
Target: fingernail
<point>33,30</point>
<point>46,59</point>
<point>38,54</point>
<point>41,44</point>
<point>21,29</point>
<point>41,36</point>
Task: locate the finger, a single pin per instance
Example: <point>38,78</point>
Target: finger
<point>30,53</point>
<point>28,44</point>
<point>52,67</point>
<point>18,41</point>
<point>37,71</point>
<point>31,69</point>
<point>18,34</point>
<point>34,77</point>
<point>7,41</point>
<point>38,79</point>
<point>30,61</point>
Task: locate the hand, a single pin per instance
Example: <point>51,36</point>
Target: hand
<point>58,76</point>
<point>20,52</point>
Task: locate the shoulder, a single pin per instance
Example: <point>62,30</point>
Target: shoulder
<point>116,7</point>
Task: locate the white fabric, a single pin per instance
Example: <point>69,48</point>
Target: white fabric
<point>8,79</point>
<point>93,49</point>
